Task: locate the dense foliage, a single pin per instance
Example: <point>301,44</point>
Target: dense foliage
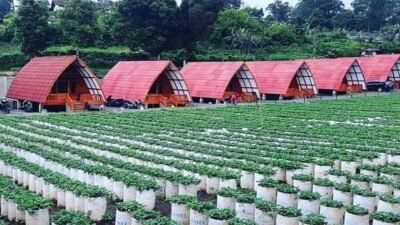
<point>201,29</point>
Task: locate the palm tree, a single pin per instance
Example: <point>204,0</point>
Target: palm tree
<point>244,40</point>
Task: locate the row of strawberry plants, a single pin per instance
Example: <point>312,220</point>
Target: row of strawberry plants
<point>112,161</point>
<point>20,204</point>
<point>221,173</point>
<point>248,166</point>
<point>52,185</point>
<point>139,188</point>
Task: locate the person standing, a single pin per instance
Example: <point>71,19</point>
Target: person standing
<point>234,99</point>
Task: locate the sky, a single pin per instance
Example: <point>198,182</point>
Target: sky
<point>264,3</point>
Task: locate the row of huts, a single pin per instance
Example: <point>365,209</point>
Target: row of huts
<point>66,82</point>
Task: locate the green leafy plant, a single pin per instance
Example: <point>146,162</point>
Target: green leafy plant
<point>237,221</point>
<point>344,187</point>
<point>357,210</point>
<point>382,180</point>
<point>387,217</point>
<point>129,206</point>
<point>228,192</point>
<point>289,211</point>
<point>331,203</point>
<point>308,195</point>
<point>288,189</point>
<point>338,172</point>
<point>362,178</point>
<point>269,183</point>
<point>370,167</point>
<point>364,193</point>
<point>221,214</point>
<point>389,198</point>
<point>68,217</point>
<point>266,206</point>
<point>323,182</point>
<point>181,199</point>
<point>303,177</point>
<point>159,221</point>
<point>313,219</point>
<point>245,198</point>
<point>201,207</point>
<point>324,162</point>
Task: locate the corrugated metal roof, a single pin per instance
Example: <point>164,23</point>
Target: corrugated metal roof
<point>274,77</point>
<point>377,68</point>
<point>132,80</point>
<point>209,79</point>
<point>329,73</point>
<point>36,78</point>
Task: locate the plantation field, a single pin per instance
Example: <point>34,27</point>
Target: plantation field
<point>266,164</point>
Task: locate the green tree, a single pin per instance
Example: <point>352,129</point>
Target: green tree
<point>346,19</point>
<point>5,6</point>
<point>7,31</point>
<point>282,34</point>
<point>197,16</point>
<point>148,25</point>
<point>391,33</point>
<point>78,22</point>
<point>374,14</point>
<point>32,26</point>
<point>233,21</point>
<point>254,12</point>
<point>233,4</point>
<point>319,9</point>
<point>244,40</point>
<point>280,11</point>
<point>106,19</point>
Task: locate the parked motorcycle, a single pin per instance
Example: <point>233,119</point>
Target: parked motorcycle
<point>123,103</point>
<point>5,106</point>
<point>27,106</point>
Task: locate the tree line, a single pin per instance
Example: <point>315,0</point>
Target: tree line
<point>202,29</point>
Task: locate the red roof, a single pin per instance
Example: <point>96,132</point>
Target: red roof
<point>132,80</point>
<point>378,68</point>
<point>274,77</point>
<point>329,73</point>
<point>35,80</point>
<point>209,79</point>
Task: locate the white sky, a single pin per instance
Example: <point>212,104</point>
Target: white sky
<point>264,3</point>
